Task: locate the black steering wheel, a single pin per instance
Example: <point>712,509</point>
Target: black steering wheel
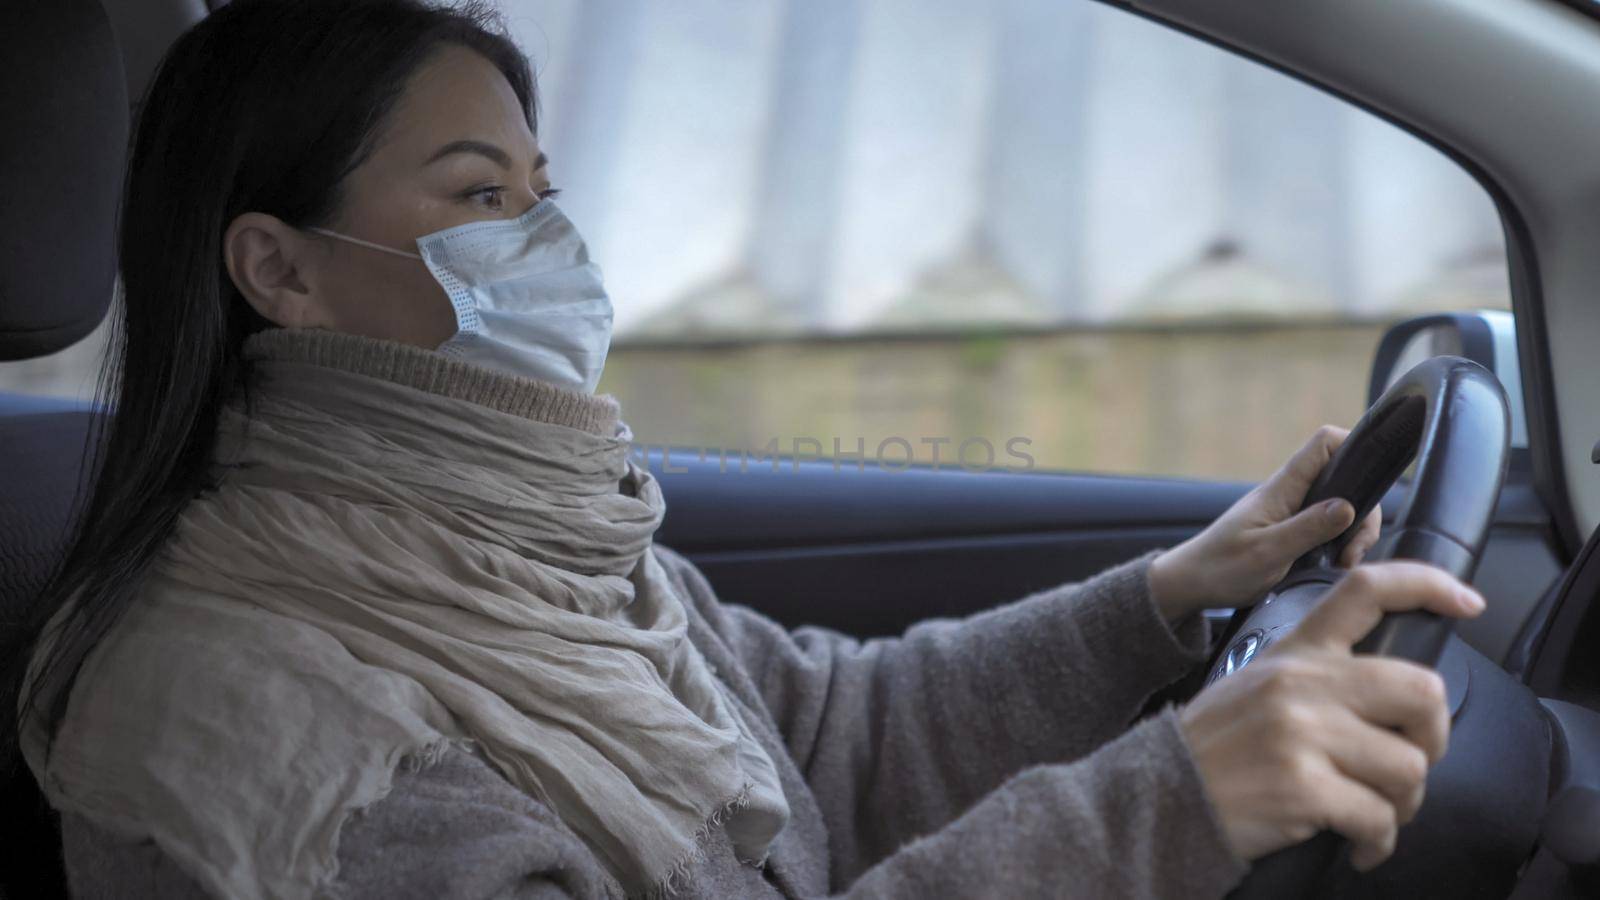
<point>1450,415</point>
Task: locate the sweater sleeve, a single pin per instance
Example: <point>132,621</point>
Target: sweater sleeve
<point>897,736</point>
<point>1118,823</point>
<point>1130,820</point>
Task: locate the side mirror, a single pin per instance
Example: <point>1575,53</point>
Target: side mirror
<point>1487,337</point>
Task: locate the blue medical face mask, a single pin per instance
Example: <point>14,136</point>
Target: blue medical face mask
<point>528,301</point>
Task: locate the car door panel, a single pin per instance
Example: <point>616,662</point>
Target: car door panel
<point>870,551</point>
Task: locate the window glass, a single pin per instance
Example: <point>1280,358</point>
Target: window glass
<point>865,225</point>
<point>944,220</point>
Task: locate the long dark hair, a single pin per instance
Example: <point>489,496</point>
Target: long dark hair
<point>264,106</point>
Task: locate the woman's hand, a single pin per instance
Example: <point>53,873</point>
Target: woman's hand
<point>1251,546</point>
<point>1311,737</point>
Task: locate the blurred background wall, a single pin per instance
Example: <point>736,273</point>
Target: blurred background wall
<point>842,165</point>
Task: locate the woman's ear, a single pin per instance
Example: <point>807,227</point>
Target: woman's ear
<point>272,266</point>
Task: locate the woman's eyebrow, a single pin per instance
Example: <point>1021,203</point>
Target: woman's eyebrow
<point>489,151</point>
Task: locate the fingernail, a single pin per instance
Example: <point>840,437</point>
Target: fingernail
<point>1473,601</point>
<point>1334,509</point>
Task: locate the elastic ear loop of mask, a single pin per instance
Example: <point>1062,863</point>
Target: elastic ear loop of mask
<point>359,242</point>
<point>460,299</point>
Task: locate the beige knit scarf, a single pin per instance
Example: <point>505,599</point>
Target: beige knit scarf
<point>407,553</point>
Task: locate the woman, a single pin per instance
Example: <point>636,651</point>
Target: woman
<point>365,602</point>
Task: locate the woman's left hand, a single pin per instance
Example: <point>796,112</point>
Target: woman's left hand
<point>1241,555</point>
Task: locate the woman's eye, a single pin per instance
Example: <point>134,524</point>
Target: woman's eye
<point>492,198</point>
<point>549,193</point>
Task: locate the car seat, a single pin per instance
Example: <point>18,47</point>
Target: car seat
<point>63,135</point>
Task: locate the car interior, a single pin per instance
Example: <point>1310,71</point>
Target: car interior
<point>1514,810</point>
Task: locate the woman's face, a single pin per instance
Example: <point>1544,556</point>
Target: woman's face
<point>454,149</point>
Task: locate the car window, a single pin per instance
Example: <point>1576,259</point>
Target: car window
<point>830,226</point>
<point>1027,234</point>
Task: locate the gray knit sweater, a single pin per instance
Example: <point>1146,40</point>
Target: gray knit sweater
<point>971,758</point>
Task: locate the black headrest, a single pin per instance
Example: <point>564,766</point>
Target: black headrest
<point>63,139</point>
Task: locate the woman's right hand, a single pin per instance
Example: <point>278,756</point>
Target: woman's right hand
<point>1311,736</point>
